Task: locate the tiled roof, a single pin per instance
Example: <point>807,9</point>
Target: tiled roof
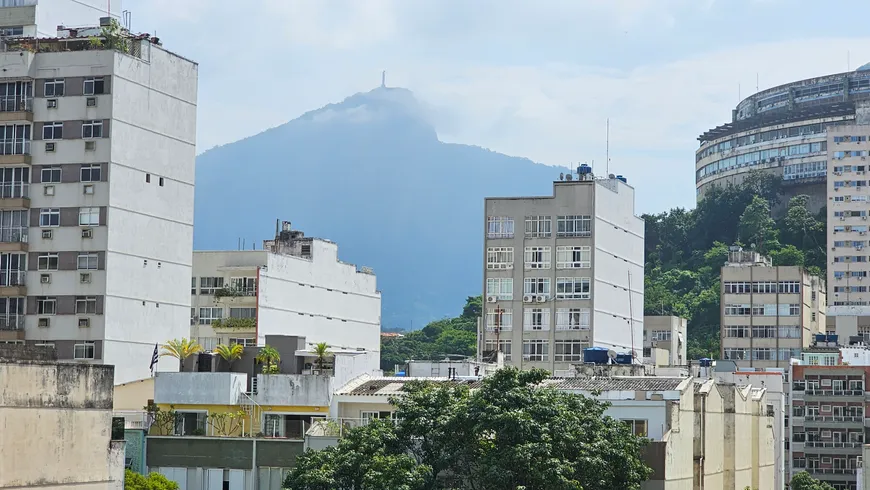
<point>393,385</point>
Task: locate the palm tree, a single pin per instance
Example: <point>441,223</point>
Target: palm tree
<point>230,353</point>
<point>321,350</point>
<point>269,358</point>
<point>181,350</point>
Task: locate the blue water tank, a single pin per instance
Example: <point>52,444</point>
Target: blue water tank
<point>820,337</point>
<point>596,355</point>
<point>624,358</point>
<point>584,169</point>
<point>623,179</point>
<point>400,373</point>
<point>833,338</point>
<point>705,362</point>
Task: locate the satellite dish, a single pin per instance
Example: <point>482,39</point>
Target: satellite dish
<point>569,177</point>
<point>562,176</point>
<point>611,353</point>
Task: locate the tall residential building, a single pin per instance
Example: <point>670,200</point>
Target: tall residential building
<point>847,220</point>
<point>296,286</point>
<point>664,340</point>
<point>769,313</point>
<point>557,273</point>
<point>57,426</point>
<point>782,132</point>
<point>97,148</point>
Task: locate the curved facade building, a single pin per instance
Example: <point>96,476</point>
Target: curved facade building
<point>782,130</point>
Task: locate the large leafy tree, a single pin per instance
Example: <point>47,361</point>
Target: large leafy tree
<point>508,434</point>
<point>154,481</point>
<point>803,481</point>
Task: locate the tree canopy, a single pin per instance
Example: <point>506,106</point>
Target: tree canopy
<point>685,250</point>
<point>506,435</point>
<point>154,481</point>
<point>803,481</point>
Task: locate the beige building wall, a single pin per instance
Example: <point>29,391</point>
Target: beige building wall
<point>768,314</point>
<point>55,426</point>
<point>667,333</point>
<point>133,395</point>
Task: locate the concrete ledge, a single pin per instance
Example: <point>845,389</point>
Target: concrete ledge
<point>15,159</point>
<point>16,116</point>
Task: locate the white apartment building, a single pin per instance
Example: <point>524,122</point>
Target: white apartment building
<point>664,340</point>
<point>97,151</point>
<point>848,208</point>
<point>558,270</point>
<point>295,286</point>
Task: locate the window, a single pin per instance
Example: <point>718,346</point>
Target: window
<point>49,217</point>
<point>243,342</point>
<point>208,285</point>
<point>538,227</point>
<point>499,227</point>
<point>499,319</point>
<point>736,353</point>
<point>638,427</point>
<point>572,318</point>
<point>737,310</point>
<point>737,287</point>
<point>54,88</point>
<point>574,226</point>
<point>46,305</point>
<point>503,346</point>
<point>536,285</point>
<point>187,423</point>
<point>536,350</point>
<point>569,350</point>
<point>50,175</point>
<point>502,289</point>
<point>92,129</point>
<point>193,286</point>
<point>89,216</point>
<point>86,305</point>
<point>52,131</point>
<point>500,258</point>
<point>573,257</point>
<point>737,331</point>
<point>88,261</point>
<point>537,258</point>
<point>660,335</point>
<point>208,315</point>
<point>91,173</point>
<point>160,182</point>
<point>243,313</point>
<point>12,32</point>
<point>789,287</point>
<point>94,86</point>
<point>536,319</point>
<point>763,354</point>
<point>573,288</point>
<point>85,350</point>
<point>47,262</point>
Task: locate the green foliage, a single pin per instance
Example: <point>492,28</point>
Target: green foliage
<point>180,349</point>
<point>437,339</point>
<point>162,421</point>
<point>321,350</point>
<point>269,358</point>
<point>230,353</point>
<point>154,481</point>
<point>803,481</point>
<point>226,423</point>
<point>508,434</point>
<point>685,251</point>
<point>234,324</point>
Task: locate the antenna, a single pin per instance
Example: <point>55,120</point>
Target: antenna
<point>607,146</point>
<point>384,79</point>
<point>848,61</point>
<point>756,82</point>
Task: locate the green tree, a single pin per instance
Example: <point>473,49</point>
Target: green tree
<point>508,434</point>
<point>269,358</point>
<point>230,353</point>
<point>788,255</point>
<point>757,228</point>
<point>181,350</point>
<point>321,350</point>
<point>803,481</point>
<point>154,481</point>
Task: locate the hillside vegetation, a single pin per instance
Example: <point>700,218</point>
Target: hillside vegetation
<point>685,250</point>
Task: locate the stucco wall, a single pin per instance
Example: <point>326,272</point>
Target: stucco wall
<point>199,388</point>
<point>294,389</point>
<point>133,395</point>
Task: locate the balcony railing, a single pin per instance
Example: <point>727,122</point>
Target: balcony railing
<point>16,103</point>
<point>13,235</point>
<point>14,190</point>
<point>811,392</point>
<point>828,444</point>
<point>15,147</point>
<point>833,418</point>
<point>12,278</point>
<point>134,419</point>
<point>831,471</point>
<point>11,322</point>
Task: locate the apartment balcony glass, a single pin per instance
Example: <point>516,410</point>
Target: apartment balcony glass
<point>11,322</point>
<point>16,96</point>
<point>15,139</point>
<point>10,278</point>
<point>13,225</point>
<point>14,190</point>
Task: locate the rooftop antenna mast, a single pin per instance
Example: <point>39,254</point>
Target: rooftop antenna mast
<point>607,147</point>
<point>384,79</point>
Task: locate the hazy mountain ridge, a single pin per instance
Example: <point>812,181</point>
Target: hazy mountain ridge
<point>370,174</point>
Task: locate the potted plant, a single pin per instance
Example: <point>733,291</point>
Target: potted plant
<point>230,353</point>
<point>269,358</point>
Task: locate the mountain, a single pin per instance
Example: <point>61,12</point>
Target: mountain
<point>370,174</point>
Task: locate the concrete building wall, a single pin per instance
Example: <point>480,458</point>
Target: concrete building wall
<point>199,388</point>
<point>674,329</point>
<point>294,390</point>
<point>56,427</point>
<point>133,395</point>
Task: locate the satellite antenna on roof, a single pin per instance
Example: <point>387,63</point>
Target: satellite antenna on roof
<point>612,355</point>
<point>561,175</point>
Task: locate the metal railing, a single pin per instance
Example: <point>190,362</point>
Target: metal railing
<point>15,147</point>
<point>11,322</point>
<point>14,190</point>
<point>833,418</point>
<point>16,103</point>
<point>813,392</point>
<point>135,419</point>
<point>831,471</point>
<point>829,444</point>
<point>13,278</point>
<point>13,235</point>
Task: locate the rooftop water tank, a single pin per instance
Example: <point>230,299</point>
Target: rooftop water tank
<point>584,169</point>
<point>820,337</point>
<point>705,362</point>
<point>596,355</point>
<point>623,179</point>
<point>624,358</point>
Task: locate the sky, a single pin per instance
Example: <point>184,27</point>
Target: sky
<point>533,79</point>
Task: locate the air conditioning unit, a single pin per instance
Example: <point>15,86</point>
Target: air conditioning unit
<point>88,189</point>
<point>842,218</point>
<point>838,173</point>
<point>864,218</point>
<point>88,233</point>
<point>45,278</point>
<point>541,298</point>
<point>85,278</point>
<point>862,232</point>
<point>84,322</point>
<point>91,102</point>
<point>51,103</point>
<point>50,147</point>
<point>48,190</point>
<point>46,234</point>
<point>492,299</point>
<point>833,248</point>
<point>90,145</point>
<point>43,322</point>
<point>528,298</point>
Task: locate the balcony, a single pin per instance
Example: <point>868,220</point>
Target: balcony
<point>11,327</point>
<point>842,395</point>
<point>134,419</point>
<point>236,295</point>
<point>15,151</point>
<point>829,447</point>
<point>833,474</point>
<point>14,195</point>
<point>16,108</point>
<point>13,239</point>
<point>13,283</point>
<point>833,421</point>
